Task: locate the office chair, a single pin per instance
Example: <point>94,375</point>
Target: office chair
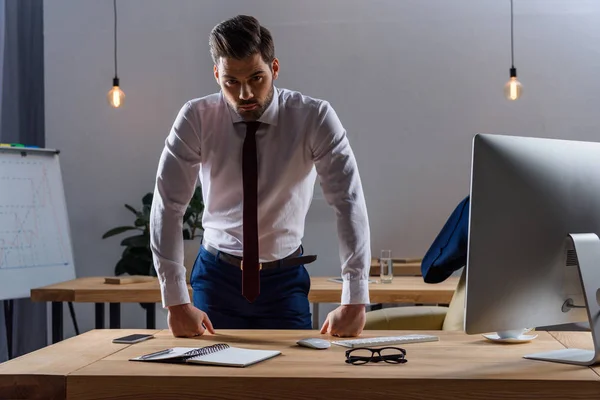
<point>422,318</point>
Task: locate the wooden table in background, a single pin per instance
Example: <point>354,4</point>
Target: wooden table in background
<point>458,366</point>
<point>400,268</point>
<point>403,289</point>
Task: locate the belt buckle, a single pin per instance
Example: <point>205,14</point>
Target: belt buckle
<point>242,265</point>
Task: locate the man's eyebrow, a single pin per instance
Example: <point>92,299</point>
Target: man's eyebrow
<point>253,74</point>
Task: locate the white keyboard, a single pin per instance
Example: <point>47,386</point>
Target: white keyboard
<point>386,340</point>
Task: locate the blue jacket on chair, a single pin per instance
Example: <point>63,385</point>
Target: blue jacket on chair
<point>448,252</point>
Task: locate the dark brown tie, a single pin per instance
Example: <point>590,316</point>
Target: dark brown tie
<point>250,264</point>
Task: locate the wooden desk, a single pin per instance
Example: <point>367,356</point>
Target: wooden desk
<point>90,367</point>
<point>403,289</point>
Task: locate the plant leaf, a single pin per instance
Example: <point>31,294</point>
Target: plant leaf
<point>133,210</point>
<point>135,265</point>
<point>196,205</point>
<point>136,241</point>
<point>139,252</point>
<point>117,230</point>
<point>140,222</point>
<point>121,267</point>
<point>147,199</point>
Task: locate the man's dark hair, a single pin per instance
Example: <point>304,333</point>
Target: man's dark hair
<point>240,37</point>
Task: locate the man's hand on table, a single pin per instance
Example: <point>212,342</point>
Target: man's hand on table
<point>185,320</point>
<point>345,321</point>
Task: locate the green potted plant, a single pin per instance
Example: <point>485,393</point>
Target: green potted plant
<point>136,258</point>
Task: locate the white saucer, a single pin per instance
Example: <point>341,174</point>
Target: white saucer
<point>521,339</point>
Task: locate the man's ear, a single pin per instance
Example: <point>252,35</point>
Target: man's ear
<point>275,68</point>
<point>216,73</point>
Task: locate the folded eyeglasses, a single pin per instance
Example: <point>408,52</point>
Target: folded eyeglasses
<point>363,355</point>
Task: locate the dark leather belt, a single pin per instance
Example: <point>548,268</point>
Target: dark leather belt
<point>292,260</point>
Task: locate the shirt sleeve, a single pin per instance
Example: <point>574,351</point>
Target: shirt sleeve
<point>340,181</point>
<point>176,179</point>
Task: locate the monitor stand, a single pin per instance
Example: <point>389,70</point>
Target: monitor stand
<point>587,248</point>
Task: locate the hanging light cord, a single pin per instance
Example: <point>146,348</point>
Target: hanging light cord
<point>115,14</point>
<point>512,51</point>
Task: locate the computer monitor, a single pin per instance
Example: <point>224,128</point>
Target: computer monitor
<point>533,251</point>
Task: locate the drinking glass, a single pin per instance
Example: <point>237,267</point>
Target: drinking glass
<point>386,272</point>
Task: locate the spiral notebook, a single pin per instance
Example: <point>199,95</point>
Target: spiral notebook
<point>217,354</point>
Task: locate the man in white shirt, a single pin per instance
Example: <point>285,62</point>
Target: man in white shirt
<point>257,150</point>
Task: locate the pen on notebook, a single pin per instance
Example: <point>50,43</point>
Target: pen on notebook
<point>158,353</point>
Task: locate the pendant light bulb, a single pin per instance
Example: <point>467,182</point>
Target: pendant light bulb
<point>115,96</point>
<point>513,88</point>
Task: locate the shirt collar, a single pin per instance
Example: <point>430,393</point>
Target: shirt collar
<point>269,116</point>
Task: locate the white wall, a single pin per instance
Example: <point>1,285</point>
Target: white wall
<point>412,80</point>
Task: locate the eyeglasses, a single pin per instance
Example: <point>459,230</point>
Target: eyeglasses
<point>363,355</point>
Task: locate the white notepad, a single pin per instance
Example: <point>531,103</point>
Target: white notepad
<point>217,354</point>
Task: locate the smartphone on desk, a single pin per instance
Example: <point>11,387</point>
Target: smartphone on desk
<point>135,338</point>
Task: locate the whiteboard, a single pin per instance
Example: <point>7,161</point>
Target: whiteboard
<point>35,239</point>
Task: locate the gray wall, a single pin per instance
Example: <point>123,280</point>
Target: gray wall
<point>412,81</point>
<point>2,36</point>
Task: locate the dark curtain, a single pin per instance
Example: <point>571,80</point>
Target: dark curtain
<point>22,121</point>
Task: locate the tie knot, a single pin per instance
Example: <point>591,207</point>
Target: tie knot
<point>252,126</point>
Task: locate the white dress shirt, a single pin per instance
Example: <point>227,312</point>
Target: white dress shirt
<point>299,137</point>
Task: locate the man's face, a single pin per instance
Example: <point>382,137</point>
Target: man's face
<point>247,84</point>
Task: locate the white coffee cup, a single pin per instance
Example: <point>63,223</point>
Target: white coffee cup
<point>513,333</point>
